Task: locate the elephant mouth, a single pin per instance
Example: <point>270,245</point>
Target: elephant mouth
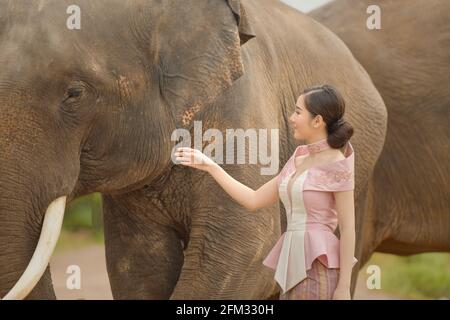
<point>51,228</point>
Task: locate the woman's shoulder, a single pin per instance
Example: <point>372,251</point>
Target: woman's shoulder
<point>341,159</point>
<point>335,156</point>
<point>336,175</point>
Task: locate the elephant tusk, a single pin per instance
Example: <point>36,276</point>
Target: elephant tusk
<point>51,229</point>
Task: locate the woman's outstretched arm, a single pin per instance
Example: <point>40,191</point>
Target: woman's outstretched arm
<point>251,199</point>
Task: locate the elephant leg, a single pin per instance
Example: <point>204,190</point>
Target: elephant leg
<point>144,256</point>
<point>224,257</point>
<point>373,229</point>
<point>227,244</point>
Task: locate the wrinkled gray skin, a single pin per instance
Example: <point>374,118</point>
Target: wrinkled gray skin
<point>94,109</point>
<point>409,62</point>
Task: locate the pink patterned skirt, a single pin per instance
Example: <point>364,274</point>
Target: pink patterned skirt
<point>319,284</point>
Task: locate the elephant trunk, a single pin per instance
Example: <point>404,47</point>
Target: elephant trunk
<point>39,170</point>
<point>51,229</point>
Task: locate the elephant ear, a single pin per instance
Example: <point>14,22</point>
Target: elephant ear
<point>202,58</point>
<point>245,27</point>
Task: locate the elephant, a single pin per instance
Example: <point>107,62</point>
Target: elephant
<point>408,60</point>
<point>93,108</point>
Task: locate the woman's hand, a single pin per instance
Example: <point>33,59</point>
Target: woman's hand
<point>194,158</point>
<point>342,293</point>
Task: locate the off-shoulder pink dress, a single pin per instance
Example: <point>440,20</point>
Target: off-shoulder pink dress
<point>311,217</point>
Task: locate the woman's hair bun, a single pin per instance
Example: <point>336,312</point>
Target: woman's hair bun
<point>339,133</point>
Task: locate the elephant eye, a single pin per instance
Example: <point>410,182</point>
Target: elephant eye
<point>72,93</point>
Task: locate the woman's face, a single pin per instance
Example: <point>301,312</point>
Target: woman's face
<point>302,121</point>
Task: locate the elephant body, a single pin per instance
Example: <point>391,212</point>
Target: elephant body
<point>170,231</point>
<point>408,60</point>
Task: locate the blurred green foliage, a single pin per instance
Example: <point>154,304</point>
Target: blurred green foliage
<point>419,276</point>
<point>84,213</point>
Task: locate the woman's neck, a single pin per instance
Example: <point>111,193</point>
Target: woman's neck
<point>316,139</point>
<point>317,146</point>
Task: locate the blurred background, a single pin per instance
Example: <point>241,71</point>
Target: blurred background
<point>421,276</point>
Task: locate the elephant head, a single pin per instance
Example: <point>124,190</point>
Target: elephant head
<point>93,109</point>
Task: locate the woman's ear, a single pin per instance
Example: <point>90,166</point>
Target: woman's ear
<point>246,31</point>
<point>318,121</point>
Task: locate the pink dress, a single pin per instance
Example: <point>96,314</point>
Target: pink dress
<point>311,217</point>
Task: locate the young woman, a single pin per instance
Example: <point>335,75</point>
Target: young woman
<point>316,187</point>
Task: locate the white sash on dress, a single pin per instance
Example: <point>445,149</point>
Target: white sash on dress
<point>291,264</point>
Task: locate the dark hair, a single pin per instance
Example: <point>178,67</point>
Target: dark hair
<point>326,101</point>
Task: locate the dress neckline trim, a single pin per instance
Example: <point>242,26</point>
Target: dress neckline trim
<point>348,154</point>
<point>314,147</point>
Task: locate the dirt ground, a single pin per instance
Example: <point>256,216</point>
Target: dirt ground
<point>94,278</point>
<point>95,283</point>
